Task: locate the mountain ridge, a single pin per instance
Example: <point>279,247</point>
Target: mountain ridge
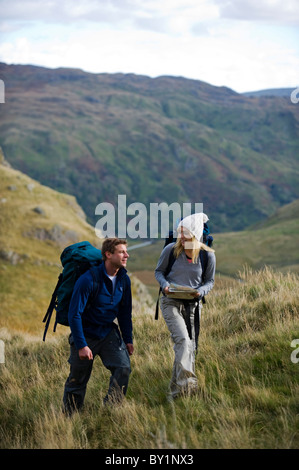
<point>166,139</point>
<point>270,92</point>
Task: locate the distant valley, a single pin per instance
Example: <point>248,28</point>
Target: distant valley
<point>97,136</point>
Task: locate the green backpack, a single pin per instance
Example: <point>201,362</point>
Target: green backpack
<point>76,260</point>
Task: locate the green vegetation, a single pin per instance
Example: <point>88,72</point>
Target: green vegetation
<point>36,223</point>
<point>165,139</point>
<point>273,242</point>
<point>248,384</point>
<point>248,394</point>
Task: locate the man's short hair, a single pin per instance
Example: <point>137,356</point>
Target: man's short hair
<point>109,244</point>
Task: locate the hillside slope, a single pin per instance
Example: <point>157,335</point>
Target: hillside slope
<point>247,367</point>
<point>273,242</point>
<point>36,223</point>
<point>166,139</point>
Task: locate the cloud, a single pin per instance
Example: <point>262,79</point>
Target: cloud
<point>243,62</point>
<point>167,16</point>
<point>67,11</point>
<point>225,42</point>
<point>275,11</point>
<point>145,12</point>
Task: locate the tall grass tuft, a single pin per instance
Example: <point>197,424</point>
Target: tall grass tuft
<point>248,384</point>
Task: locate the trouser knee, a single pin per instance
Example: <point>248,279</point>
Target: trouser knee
<point>121,375</point>
<point>118,384</point>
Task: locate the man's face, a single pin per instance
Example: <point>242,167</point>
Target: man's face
<point>119,257</point>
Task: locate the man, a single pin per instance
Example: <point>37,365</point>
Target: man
<point>93,330</point>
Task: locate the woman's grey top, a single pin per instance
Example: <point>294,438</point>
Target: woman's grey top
<point>185,273</point>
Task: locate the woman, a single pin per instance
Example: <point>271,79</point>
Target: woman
<point>181,311</point>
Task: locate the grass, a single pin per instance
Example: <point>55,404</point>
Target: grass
<point>31,243</point>
<point>248,394</point>
<point>248,384</point>
<point>38,236</point>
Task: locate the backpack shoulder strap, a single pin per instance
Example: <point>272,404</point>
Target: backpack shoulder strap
<point>171,261</point>
<point>124,283</point>
<point>203,254</point>
<point>97,279</point>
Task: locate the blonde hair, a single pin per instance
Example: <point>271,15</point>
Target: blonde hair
<point>197,246</point>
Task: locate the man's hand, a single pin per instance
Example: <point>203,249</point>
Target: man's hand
<point>166,290</point>
<point>85,354</point>
<point>130,348</point>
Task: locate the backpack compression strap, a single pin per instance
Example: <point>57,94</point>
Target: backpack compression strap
<point>171,261</point>
<point>52,305</point>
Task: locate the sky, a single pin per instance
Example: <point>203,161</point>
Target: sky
<point>246,45</point>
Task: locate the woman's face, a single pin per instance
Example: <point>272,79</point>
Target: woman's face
<point>186,238</point>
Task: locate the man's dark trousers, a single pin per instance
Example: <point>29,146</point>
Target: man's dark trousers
<point>115,357</point>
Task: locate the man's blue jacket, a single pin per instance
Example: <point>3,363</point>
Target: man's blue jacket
<point>96,321</point>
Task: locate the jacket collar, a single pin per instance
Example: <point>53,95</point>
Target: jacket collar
<point>121,272</point>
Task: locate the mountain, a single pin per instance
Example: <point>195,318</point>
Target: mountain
<point>36,223</point>
<point>272,243</point>
<point>286,92</point>
<point>247,361</point>
<point>97,136</point>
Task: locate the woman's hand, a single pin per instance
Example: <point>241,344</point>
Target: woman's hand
<point>196,296</point>
<point>166,290</point>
